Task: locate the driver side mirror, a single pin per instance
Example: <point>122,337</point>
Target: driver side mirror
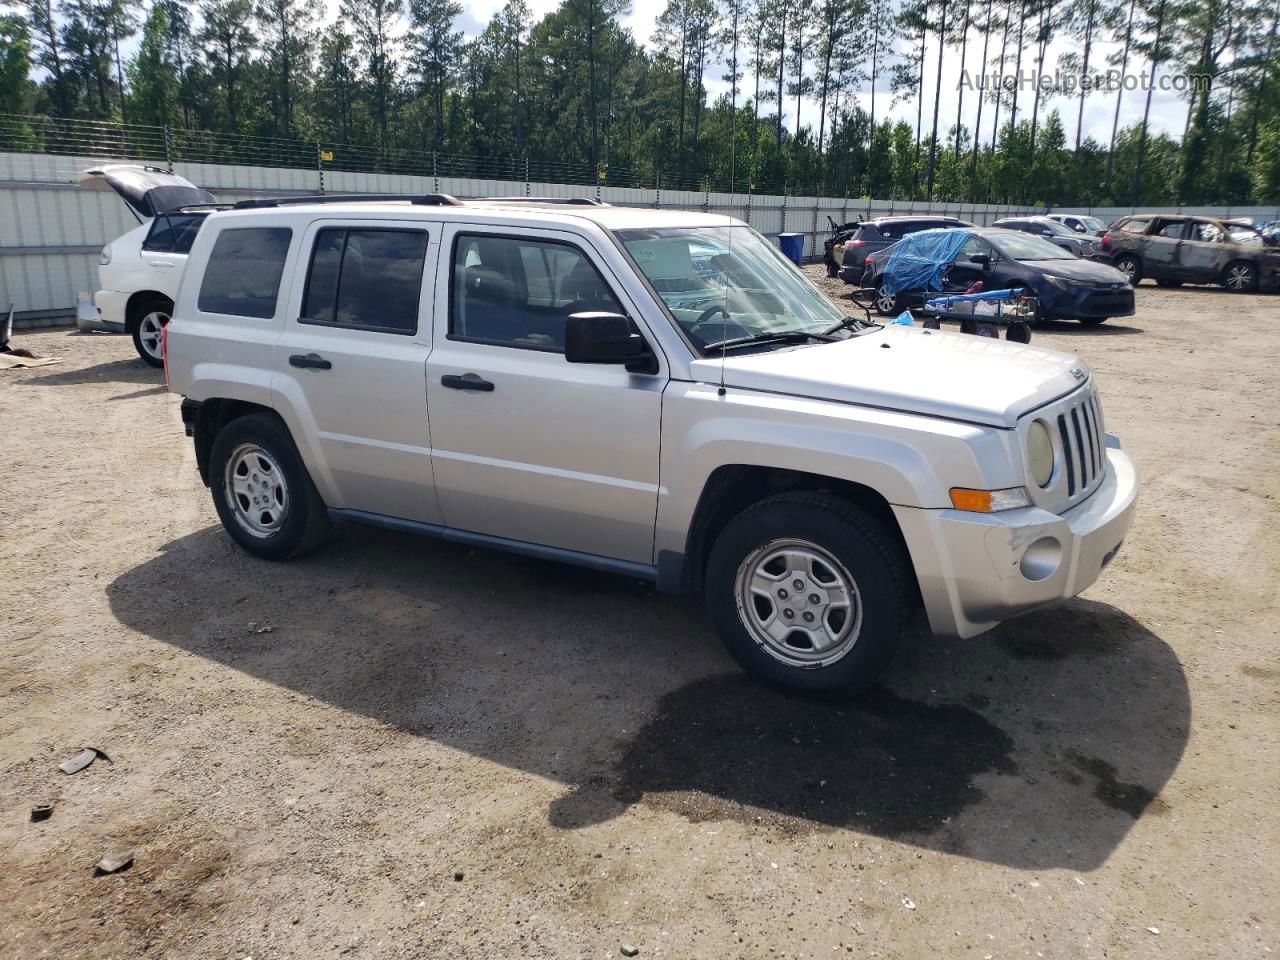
<point>1046,233</point>
<point>982,260</point>
<point>594,337</point>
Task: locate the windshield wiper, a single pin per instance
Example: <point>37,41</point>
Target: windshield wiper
<point>850,323</point>
<point>777,336</point>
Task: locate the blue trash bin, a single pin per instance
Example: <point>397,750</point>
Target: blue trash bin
<point>792,245</point>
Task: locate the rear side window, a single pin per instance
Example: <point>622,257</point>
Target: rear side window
<point>518,293</point>
<point>173,232</point>
<point>242,277</point>
<point>1136,225</point>
<point>370,278</point>
<point>1206,232</point>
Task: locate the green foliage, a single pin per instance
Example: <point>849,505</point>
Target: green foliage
<point>395,82</point>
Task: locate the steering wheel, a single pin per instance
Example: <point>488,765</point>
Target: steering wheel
<point>710,312</point>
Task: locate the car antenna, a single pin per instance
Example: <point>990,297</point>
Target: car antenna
<point>724,307</point>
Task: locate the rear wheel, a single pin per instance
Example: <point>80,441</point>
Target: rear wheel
<point>1240,277</point>
<point>809,592</point>
<point>147,326</point>
<point>261,489</point>
<point>1131,267</point>
<point>886,304</point>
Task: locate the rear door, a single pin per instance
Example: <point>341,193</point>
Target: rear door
<point>351,364</point>
<point>1161,249</point>
<point>164,251</point>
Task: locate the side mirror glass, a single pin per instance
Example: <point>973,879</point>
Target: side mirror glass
<point>593,337</point>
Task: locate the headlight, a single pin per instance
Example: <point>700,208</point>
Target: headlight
<point>104,257</point>
<point>1040,453</point>
<point>1062,283</point>
<point>989,501</point>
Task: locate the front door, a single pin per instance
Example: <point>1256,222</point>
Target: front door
<point>1205,251</point>
<point>351,365</point>
<point>527,446</point>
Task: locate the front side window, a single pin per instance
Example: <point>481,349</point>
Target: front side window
<point>370,278</point>
<point>515,292</point>
<point>973,246</point>
<point>242,277</point>
<point>1206,232</point>
<point>1245,235</point>
<point>1025,246</point>
<point>173,232</point>
<point>728,282</point>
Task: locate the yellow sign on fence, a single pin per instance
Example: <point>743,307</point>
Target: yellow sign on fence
<point>326,155</point>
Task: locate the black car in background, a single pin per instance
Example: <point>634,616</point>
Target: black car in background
<point>1066,286</point>
<point>874,235</point>
<point>1056,233</point>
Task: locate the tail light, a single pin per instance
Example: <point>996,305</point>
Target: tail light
<point>867,262</point>
<point>1106,240</point>
<point>164,350</point>
<point>854,243</point>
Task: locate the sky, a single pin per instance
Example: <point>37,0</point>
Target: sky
<point>1168,110</point>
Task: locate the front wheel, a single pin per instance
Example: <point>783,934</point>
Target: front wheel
<point>148,330</point>
<point>262,491</point>
<point>809,592</point>
<point>1240,277</point>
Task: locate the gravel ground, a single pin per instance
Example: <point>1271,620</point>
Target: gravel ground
<point>402,748</point>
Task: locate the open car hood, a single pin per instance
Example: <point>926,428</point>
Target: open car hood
<point>147,190</point>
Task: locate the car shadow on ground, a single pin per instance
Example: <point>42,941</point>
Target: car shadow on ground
<point>133,370</point>
<point>1110,328</point>
<point>1038,745</point>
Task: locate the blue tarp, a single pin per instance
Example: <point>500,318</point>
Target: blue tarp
<point>919,260</point>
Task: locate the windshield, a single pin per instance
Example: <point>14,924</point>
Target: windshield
<point>1093,223</point>
<point>704,273</point>
<point>1061,229</point>
<point>1026,246</point>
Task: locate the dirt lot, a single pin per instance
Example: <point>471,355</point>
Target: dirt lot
<point>401,748</point>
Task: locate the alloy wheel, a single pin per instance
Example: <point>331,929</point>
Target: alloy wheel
<point>799,603</point>
<point>256,490</point>
<point>151,331</point>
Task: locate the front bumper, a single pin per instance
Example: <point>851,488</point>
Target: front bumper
<point>1086,301</point>
<point>105,312</point>
<point>977,569</point>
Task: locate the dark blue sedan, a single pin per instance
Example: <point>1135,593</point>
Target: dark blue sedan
<point>1066,286</point>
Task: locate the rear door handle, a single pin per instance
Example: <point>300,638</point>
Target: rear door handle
<point>312,361</point>
<point>468,381</point>
<point>162,263</point>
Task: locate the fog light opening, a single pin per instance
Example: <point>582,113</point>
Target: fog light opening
<point>1042,559</point>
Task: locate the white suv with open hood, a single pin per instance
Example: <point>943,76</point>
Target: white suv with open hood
<point>653,393</point>
<point>139,272</point>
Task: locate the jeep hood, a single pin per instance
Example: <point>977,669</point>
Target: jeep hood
<point>147,190</point>
<point>937,374</point>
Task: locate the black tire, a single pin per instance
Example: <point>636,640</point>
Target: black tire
<point>1135,277</point>
<point>1240,276</point>
<point>856,541</point>
<point>1091,321</point>
<point>832,269</point>
<point>885,305</point>
<point>142,320</point>
<point>305,519</point>
<point>1168,283</point>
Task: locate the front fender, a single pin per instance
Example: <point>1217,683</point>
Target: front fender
<point>908,459</point>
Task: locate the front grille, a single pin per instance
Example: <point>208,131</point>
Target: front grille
<point>1110,304</point>
<point>1083,447</point>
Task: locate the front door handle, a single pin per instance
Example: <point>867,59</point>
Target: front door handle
<point>468,381</point>
<point>312,361</point>
<point>162,263</point>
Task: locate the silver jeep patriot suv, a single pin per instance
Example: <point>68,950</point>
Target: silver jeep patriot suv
<point>653,393</point>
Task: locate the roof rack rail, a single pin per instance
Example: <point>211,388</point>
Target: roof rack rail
<point>564,201</point>
<point>418,199</point>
